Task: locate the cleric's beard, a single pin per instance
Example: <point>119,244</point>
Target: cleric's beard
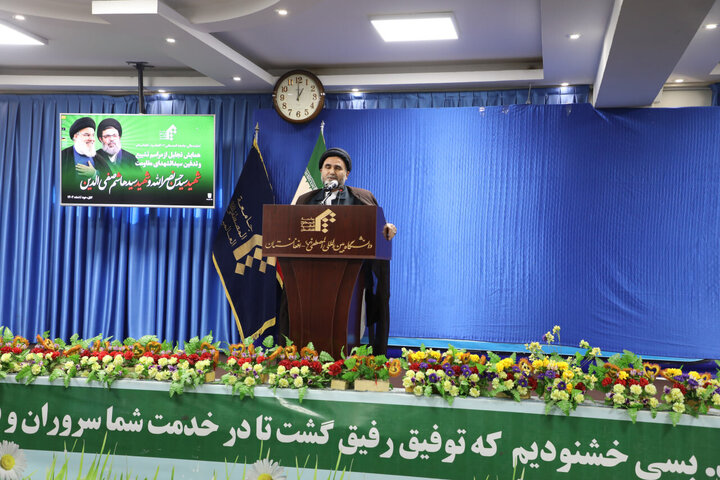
<point>111,150</point>
<point>84,148</point>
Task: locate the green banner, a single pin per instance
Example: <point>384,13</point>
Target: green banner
<point>137,160</point>
<point>390,433</point>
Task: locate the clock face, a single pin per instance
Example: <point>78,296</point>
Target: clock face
<point>298,96</point>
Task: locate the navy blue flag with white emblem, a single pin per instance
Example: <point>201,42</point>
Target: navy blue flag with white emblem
<point>248,276</point>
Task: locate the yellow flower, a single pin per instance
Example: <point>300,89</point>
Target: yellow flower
<point>537,364</point>
<point>584,344</point>
<point>231,361</point>
<point>283,383</point>
<point>622,375</point>
<point>556,329</point>
<point>281,370</point>
<point>579,398</point>
<point>650,389</point>
<point>636,389</point>
<point>249,381</point>
<point>618,388</point>
<point>569,387</point>
<point>36,369</point>
<point>474,358</point>
<point>568,374</point>
<point>474,392</point>
<point>678,407</point>
<point>232,379</point>
<point>418,390</point>
<point>653,402</point>
<point>298,382</point>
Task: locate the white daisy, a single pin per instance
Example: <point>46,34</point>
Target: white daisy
<point>266,470</point>
<point>12,461</point>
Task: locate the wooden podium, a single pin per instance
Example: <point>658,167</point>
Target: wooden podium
<point>321,250</point>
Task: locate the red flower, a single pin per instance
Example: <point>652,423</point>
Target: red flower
<point>681,387</point>
<point>304,363</point>
<point>580,386</point>
<point>532,381</point>
<point>260,359</point>
<point>607,381</point>
<point>644,381</point>
<point>334,369</point>
<point>621,382</point>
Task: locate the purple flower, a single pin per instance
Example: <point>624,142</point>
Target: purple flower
<point>465,370</point>
<point>172,368</point>
<point>693,383</point>
<point>522,382</point>
<point>516,369</point>
<point>423,366</point>
<point>432,378</point>
<point>550,374</point>
<point>561,386</point>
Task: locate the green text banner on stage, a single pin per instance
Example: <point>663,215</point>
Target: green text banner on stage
<point>384,435</point>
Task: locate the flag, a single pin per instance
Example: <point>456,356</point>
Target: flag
<point>311,178</point>
<point>249,278</point>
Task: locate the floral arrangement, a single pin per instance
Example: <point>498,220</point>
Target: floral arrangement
<point>627,383</point>
<point>691,392</point>
<point>300,370</point>
<point>455,373</point>
<point>362,364</point>
<point>560,382</point>
<point>247,366</point>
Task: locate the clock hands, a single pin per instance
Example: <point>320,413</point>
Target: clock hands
<point>300,90</point>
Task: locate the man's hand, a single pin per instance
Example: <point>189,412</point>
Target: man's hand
<point>85,171</point>
<point>389,230</point>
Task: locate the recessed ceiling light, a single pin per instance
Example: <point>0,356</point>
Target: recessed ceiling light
<point>160,90</point>
<point>13,35</point>
<point>170,40</point>
<point>281,11</point>
<point>574,36</point>
<point>679,80</point>
<point>410,28</point>
<point>237,78</point>
<point>19,17</point>
<point>564,84</point>
<point>355,90</point>
<point>711,26</point>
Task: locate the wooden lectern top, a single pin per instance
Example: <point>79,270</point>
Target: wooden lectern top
<point>325,231</point>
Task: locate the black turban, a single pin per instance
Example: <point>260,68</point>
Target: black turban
<point>337,152</point>
<point>109,123</point>
<point>80,123</point>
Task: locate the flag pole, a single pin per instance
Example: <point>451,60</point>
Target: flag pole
<point>322,128</point>
<point>257,130</point>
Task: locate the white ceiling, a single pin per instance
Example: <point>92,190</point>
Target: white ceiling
<point>628,49</point>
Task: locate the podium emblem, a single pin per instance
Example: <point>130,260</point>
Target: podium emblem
<point>319,223</point>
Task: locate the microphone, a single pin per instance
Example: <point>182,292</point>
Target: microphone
<point>331,185</point>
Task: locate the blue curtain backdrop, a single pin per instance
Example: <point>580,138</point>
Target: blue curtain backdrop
<point>514,219</point>
<point>136,271</point>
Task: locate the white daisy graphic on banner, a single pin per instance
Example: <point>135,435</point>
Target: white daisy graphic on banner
<point>266,470</point>
<point>12,461</point>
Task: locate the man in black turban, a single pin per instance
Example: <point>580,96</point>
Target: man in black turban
<point>78,161</point>
<point>335,165</point>
<point>109,133</point>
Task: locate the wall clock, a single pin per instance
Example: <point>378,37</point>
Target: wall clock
<point>298,96</point>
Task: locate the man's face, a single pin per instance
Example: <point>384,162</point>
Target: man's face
<point>110,140</point>
<point>333,168</point>
<point>84,142</point>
